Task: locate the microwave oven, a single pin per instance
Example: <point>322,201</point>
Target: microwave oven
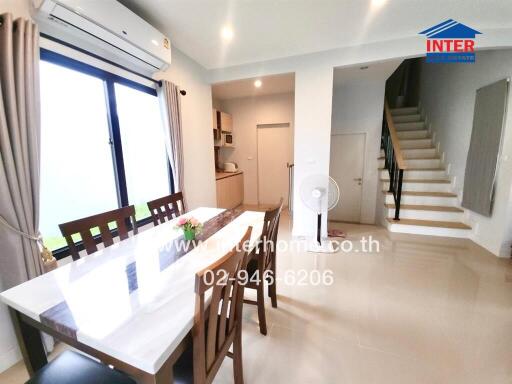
<point>228,140</point>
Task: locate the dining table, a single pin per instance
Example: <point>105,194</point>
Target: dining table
<point>130,305</point>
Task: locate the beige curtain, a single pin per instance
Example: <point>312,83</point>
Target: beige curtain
<point>170,105</point>
<point>19,150</point>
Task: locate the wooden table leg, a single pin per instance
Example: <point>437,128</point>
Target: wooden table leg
<point>30,342</point>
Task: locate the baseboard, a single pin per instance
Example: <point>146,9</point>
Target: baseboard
<point>9,358</point>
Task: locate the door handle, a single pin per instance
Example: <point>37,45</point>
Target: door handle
<point>358,179</point>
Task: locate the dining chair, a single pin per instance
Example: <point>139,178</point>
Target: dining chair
<point>123,217</point>
<point>167,207</point>
<point>261,266</point>
<point>74,368</point>
<point>219,291</point>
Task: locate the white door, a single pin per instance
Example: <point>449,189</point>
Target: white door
<point>274,152</point>
<point>346,167</point>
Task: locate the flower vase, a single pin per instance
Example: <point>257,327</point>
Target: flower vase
<point>189,234</point>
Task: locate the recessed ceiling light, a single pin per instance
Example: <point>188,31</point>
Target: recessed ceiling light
<point>378,3</point>
<point>257,83</point>
<point>154,42</point>
<point>227,33</point>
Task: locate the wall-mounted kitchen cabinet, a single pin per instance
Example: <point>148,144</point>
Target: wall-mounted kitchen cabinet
<point>217,133</point>
<point>226,122</point>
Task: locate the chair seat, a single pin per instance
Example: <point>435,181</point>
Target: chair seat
<point>73,368</point>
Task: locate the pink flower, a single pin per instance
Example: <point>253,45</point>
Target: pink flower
<point>182,221</point>
<point>194,222</point>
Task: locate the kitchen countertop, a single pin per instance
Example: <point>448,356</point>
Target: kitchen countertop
<point>222,175</point>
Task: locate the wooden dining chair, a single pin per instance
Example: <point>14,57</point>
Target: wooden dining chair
<point>261,266</point>
<point>123,217</point>
<point>219,291</point>
<point>167,207</point>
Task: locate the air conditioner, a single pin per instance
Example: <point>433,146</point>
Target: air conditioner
<point>108,23</point>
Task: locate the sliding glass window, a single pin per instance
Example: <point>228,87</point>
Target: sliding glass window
<point>102,145</point>
<point>144,153</point>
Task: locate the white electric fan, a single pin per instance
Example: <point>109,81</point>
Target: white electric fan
<point>320,193</point>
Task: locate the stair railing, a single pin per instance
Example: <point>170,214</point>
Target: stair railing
<point>393,159</point>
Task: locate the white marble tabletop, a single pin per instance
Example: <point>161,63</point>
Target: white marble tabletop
<point>128,300</point>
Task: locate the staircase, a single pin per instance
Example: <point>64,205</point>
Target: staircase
<point>427,204</point>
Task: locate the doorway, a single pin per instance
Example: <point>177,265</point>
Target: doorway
<point>275,152</point>
<point>346,168</point>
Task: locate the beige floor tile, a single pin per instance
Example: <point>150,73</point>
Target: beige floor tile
<point>421,310</point>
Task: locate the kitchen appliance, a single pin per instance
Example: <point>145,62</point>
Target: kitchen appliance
<point>228,140</point>
<point>230,167</point>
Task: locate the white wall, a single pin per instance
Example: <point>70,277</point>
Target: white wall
<point>198,152</point>
<point>247,112</point>
<point>196,108</point>
<point>447,95</point>
<point>313,102</point>
<point>357,108</point>
<point>358,99</point>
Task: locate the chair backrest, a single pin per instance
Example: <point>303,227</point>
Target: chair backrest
<point>216,324</point>
<point>268,240</point>
<point>122,217</point>
<point>167,207</point>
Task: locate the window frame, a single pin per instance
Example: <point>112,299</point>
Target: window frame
<point>109,80</point>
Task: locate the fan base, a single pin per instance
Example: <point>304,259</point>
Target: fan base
<point>325,247</point>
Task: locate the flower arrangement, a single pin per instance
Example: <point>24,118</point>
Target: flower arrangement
<point>190,226</point>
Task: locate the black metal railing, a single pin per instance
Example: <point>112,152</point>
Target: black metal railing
<point>393,160</point>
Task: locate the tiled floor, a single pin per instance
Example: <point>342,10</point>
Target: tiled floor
<point>422,310</point>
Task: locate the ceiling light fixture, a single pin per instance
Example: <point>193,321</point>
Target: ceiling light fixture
<point>378,3</point>
<point>227,33</point>
<point>257,83</point>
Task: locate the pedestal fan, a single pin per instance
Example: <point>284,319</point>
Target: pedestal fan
<point>320,193</point>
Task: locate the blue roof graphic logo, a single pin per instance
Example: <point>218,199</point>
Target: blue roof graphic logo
<point>450,29</point>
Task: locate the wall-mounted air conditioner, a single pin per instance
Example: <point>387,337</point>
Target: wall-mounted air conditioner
<point>109,24</point>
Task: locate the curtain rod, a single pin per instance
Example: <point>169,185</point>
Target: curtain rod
<point>86,52</point>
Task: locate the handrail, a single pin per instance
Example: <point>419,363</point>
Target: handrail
<point>393,159</point>
<point>394,137</point>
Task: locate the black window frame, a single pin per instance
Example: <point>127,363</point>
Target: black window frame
<point>109,80</point>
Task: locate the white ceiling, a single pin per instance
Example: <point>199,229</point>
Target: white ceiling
<point>245,88</point>
<point>376,71</point>
<point>270,29</point>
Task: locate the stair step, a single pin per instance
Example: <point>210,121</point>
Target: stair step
<point>404,111</point>
<point>415,143</point>
<point>419,152</point>
<point>418,169</point>
<point>440,208</point>
<point>422,173</point>
<point>407,118</point>
<point>420,157</point>
<point>414,126</point>
<point>414,134</point>
<point>430,223</point>
<point>422,181</point>
<point>425,193</point>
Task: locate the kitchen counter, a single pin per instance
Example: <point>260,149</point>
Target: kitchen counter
<point>222,175</point>
<point>230,189</point>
